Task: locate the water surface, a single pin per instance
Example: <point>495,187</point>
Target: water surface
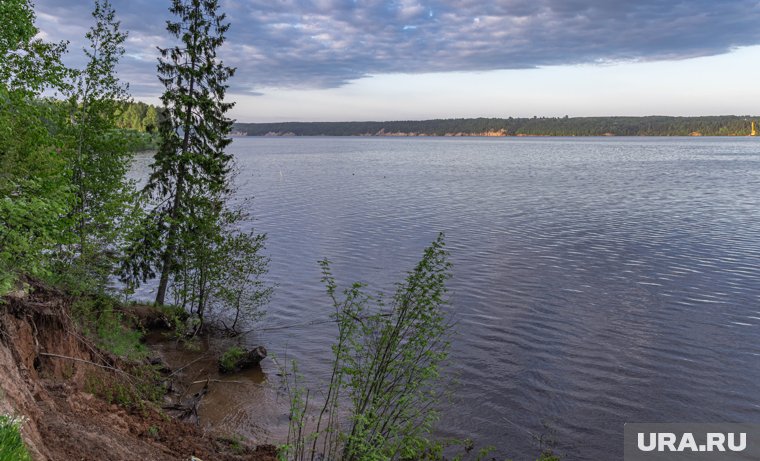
<point>596,281</point>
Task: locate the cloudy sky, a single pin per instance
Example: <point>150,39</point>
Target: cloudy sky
<point>418,59</point>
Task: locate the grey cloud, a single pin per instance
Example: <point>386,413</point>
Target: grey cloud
<point>327,43</point>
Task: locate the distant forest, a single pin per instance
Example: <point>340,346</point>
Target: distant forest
<point>138,116</point>
<point>729,125</point>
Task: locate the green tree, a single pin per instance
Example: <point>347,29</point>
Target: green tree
<point>34,178</point>
<point>100,153</point>
<point>220,271</point>
<point>191,169</point>
<point>131,118</point>
<point>240,290</point>
<point>27,64</point>
<point>150,122</point>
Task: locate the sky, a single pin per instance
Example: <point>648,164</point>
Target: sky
<point>339,60</point>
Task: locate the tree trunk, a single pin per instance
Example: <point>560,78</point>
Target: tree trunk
<point>164,280</point>
<point>170,245</point>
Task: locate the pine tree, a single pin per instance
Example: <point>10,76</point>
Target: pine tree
<point>190,173</point>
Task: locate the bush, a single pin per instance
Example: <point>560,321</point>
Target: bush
<point>12,447</point>
<point>230,357</point>
<point>386,367</point>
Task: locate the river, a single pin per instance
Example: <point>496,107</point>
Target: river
<point>596,281</point>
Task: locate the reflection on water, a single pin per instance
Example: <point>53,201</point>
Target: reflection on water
<point>596,281</point>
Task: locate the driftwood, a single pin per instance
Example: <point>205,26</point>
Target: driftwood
<point>243,361</point>
<point>188,410</point>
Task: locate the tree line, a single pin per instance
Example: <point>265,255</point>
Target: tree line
<point>728,125</point>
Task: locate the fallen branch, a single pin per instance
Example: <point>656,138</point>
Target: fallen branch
<point>217,381</point>
<point>187,388</point>
<point>46,354</point>
<point>189,409</point>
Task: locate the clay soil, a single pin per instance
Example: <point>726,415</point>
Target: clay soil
<point>66,422</point>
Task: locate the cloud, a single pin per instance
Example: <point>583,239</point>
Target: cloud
<point>327,43</point>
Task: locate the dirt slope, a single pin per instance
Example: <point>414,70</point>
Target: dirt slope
<point>65,422</point>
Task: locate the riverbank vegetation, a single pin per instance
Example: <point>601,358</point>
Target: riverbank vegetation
<point>386,368</point>
<point>189,237</point>
<point>728,125</point>
<point>70,220</point>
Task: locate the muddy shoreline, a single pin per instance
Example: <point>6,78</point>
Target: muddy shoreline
<point>78,400</point>
<point>247,404</point>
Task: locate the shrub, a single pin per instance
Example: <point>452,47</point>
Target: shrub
<point>386,367</point>
<point>230,357</point>
<point>548,455</point>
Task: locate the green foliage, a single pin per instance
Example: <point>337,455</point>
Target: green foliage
<point>230,357</point>
<point>100,154</point>
<point>386,364</point>
<point>100,320</point>
<point>434,450</point>
<point>138,116</point>
<point>63,195</point>
<point>548,455</point>
<point>190,237</point>
<point>535,126</point>
<point>238,288</point>
<point>12,447</point>
<point>221,272</point>
<point>190,169</point>
<point>153,432</point>
<point>236,444</point>
<point>133,389</point>
<point>28,65</point>
<point>141,141</point>
<point>35,192</point>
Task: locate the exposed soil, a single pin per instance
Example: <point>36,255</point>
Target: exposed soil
<point>65,422</point>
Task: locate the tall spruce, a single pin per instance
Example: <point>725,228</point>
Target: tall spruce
<point>190,173</point>
<point>100,156</point>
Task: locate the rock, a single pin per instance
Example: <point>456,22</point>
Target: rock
<point>236,359</point>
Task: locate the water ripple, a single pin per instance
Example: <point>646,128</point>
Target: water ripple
<point>596,281</point>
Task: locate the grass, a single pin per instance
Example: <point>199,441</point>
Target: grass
<point>230,357</point>
<point>12,447</point>
<point>135,392</point>
<point>548,455</point>
<point>235,443</point>
<point>99,319</point>
<point>153,432</point>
